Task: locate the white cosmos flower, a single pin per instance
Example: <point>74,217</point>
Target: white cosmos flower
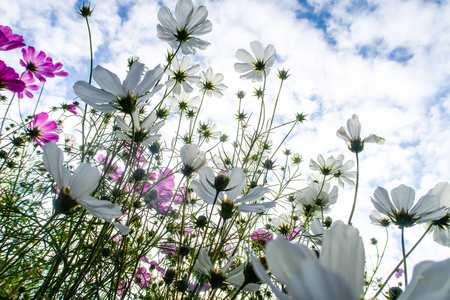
<point>338,274</point>
<point>231,184</point>
<point>217,278</point>
<point>344,173</point>
<point>182,102</point>
<point>144,132</point>
<point>401,210</point>
<point>113,95</point>
<point>181,75</point>
<point>441,228</point>
<point>192,157</point>
<point>211,83</point>
<point>326,167</point>
<point>76,188</point>
<point>352,135</point>
<point>190,22</point>
<point>379,219</point>
<point>254,67</point>
<point>315,199</point>
<point>430,280</point>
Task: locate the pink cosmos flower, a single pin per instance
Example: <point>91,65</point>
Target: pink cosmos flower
<point>9,40</point>
<point>155,265</point>
<point>168,248</point>
<point>56,70</point>
<point>28,79</point>
<point>36,64</point>
<point>114,171</point>
<point>70,107</point>
<point>261,237</point>
<point>41,130</point>
<point>160,194</point>
<point>9,79</point>
<point>399,273</point>
<point>142,277</point>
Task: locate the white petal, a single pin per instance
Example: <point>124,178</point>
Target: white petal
<point>442,236</point>
<point>102,209</point>
<point>343,253</point>
<point>203,263</point>
<point>317,283</point>
<point>442,191</point>
<point>53,158</point>
<point>149,80</point>
<point>354,127</point>
<point>108,81</point>
<point>243,67</point>
<point>84,181</point>
<point>256,207</point>
<point>254,194</point>
<point>257,49</point>
<point>284,258</point>
<point>245,57</point>
<point>183,12</point>
<point>123,229</point>
<point>269,53</point>
<point>237,183</point>
<point>133,77</point>
<point>166,19</point>
<point>430,280</point>
<point>342,133</point>
<point>92,95</point>
<point>261,273</point>
<point>403,197</point>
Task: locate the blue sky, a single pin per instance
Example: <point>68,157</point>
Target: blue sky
<point>385,60</point>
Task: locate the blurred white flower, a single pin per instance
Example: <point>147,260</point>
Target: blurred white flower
<point>211,83</point>
<point>144,132</point>
<point>182,102</point>
<point>210,188</point>
<point>403,214</point>
<point>218,278</point>
<point>328,167</point>
<point>180,75</point>
<point>113,95</point>
<point>352,135</point>
<point>344,174</point>
<point>441,228</point>
<point>76,188</point>
<point>193,158</point>
<point>430,280</point>
<point>379,219</point>
<point>190,22</point>
<point>254,67</point>
<point>338,274</point>
<point>315,199</point>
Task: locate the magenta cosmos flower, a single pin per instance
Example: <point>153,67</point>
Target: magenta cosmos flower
<point>9,40</point>
<point>9,79</point>
<point>37,64</point>
<point>28,79</point>
<point>41,129</point>
<point>56,70</point>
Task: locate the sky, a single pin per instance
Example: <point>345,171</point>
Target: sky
<point>388,61</point>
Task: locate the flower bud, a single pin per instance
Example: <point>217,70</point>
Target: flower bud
<point>201,221</point>
<point>139,174</point>
<point>221,182</point>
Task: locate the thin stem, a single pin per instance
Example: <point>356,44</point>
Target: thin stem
<point>356,190</point>
<point>404,258</point>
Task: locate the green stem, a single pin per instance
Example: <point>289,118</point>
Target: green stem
<point>356,190</point>
<point>404,258</point>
